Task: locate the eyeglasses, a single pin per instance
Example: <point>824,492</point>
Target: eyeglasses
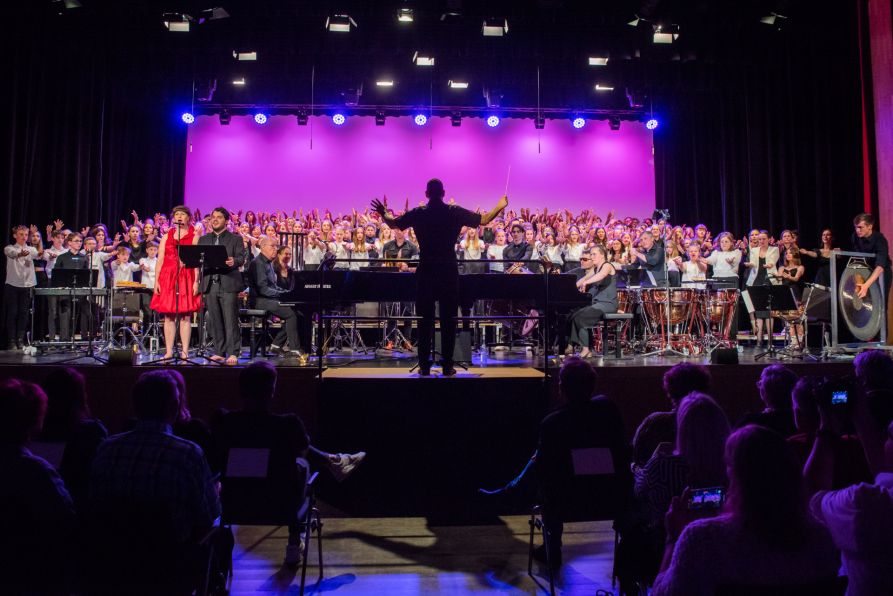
<point>585,259</point>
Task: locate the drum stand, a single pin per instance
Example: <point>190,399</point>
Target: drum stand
<point>394,337</point>
<point>341,335</point>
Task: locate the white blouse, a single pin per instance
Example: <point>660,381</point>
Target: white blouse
<point>721,267</point>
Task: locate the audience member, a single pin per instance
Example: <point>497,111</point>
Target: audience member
<point>775,385</point>
<point>860,516</point>
<point>584,422</point>
<point>764,538</point>
<point>660,427</point>
<point>850,466</point>
<point>256,426</point>
<point>37,517</point>
<point>151,464</point>
<point>69,421</point>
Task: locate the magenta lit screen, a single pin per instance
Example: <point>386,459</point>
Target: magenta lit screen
<point>274,166</point>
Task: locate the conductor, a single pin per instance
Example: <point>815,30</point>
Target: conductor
<point>437,226</point>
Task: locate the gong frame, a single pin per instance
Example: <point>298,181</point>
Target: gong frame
<point>835,316</point>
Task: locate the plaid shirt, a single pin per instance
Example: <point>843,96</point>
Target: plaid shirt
<point>151,463</point>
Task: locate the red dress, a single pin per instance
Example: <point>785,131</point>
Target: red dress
<point>165,301</point>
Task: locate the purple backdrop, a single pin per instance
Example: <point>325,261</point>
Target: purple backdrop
<point>247,166</point>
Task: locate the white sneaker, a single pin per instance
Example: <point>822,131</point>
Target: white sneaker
<point>294,552</point>
<point>346,464</point>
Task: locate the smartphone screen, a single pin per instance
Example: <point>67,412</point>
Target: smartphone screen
<point>839,398</point>
<point>707,498</point>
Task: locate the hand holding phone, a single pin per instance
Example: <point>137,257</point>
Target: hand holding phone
<point>706,498</point>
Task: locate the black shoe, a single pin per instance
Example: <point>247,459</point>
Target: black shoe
<point>539,554</point>
<point>424,370</point>
<point>449,371</point>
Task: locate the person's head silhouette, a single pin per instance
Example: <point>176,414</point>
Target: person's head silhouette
<point>434,190</point>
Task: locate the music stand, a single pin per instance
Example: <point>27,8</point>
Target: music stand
<point>202,257</point>
<point>771,298</point>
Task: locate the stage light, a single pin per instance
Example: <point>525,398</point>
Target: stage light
<point>666,33</point>
<point>302,118</point>
<point>384,83</point>
<point>244,56</point>
<point>260,118</point>
<point>456,118</point>
<point>614,123</point>
<point>774,20</point>
<point>579,122</point>
<point>493,121</point>
<point>176,22</point>
<point>603,88</point>
<point>187,118</point>
<point>379,118</point>
<point>634,22</point>
<point>421,120</point>
<point>420,59</point>
<point>495,27</point>
<point>240,82</point>
<point>212,14</point>
<point>458,84</point>
<point>225,118</point>
<point>338,119</point>
<point>405,15</point>
<point>340,23</point>
<point>652,124</point>
<point>598,61</point>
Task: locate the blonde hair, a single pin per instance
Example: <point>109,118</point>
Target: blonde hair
<point>701,432</point>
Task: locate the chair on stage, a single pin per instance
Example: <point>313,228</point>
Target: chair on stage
<point>260,487</point>
<point>597,491</point>
<point>621,321</point>
<point>258,320</point>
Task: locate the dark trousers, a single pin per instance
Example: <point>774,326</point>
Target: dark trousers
<point>580,322</point>
<point>17,302</point>
<point>441,287</point>
<point>289,318</point>
<point>223,320</point>
<point>69,311</point>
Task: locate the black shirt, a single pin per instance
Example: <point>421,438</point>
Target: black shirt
<point>877,244</point>
<point>437,226</point>
<point>517,252</point>
<point>407,250</point>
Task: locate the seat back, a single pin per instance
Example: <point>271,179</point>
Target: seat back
<point>261,487</point>
<point>49,451</point>
<point>598,488</point>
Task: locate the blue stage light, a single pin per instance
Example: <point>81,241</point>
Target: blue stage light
<point>260,118</point>
<point>421,120</point>
<point>338,119</point>
<point>579,122</point>
<point>187,118</point>
<point>493,121</point>
<point>651,124</point>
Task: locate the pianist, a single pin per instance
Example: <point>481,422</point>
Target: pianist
<point>597,277</point>
<point>265,293</point>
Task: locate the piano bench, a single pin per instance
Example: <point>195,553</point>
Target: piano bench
<point>253,314</point>
<point>619,318</point>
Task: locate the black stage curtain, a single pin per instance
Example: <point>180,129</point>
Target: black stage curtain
<point>771,141</point>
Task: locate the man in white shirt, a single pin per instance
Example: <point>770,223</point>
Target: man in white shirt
<point>859,517</point>
<point>20,278</point>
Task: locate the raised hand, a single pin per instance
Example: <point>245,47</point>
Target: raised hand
<point>58,224</point>
<point>379,206</point>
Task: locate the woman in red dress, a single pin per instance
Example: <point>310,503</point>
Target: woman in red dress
<point>176,296</point>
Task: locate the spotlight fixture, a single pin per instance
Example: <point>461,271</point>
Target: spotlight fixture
<point>260,118</point>
<point>176,22</point>
<point>212,14</point>
<point>456,118</point>
<point>187,118</point>
<point>379,118</point>
<point>539,122</point>
<point>635,99</point>
<point>666,33</point>
<point>495,27</point>
<point>384,83</point>
<point>634,22</point>
<point>302,118</point>
<point>652,124</point>
<point>773,19</point>
<point>63,5</point>
<point>493,121</point>
<point>458,84</point>
<point>405,15</point>
<point>420,59</point>
<point>492,97</point>
<point>352,95</point>
<point>421,120</point>
<point>338,119</point>
<point>244,56</point>
<point>579,122</point>
<point>614,123</point>
<point>340,23</point>
<point>604,88</point>
<point>240,82</point>
<point>225,118</point>
<point>598,61</point>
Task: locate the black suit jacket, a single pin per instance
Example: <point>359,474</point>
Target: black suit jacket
<point>230,277</point>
